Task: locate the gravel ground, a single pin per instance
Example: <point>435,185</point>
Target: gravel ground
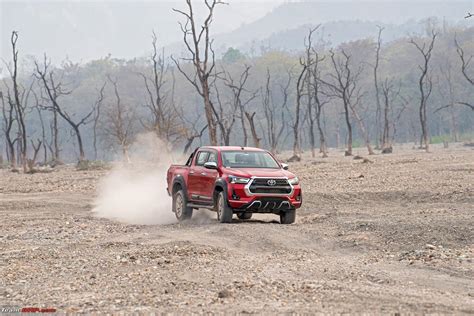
<point>391,235</point>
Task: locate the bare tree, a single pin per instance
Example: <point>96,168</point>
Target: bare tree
<point>274,132</point>
<point>250,118</point>
<point>270,110</point>
<point>120,122</point>
<point>309,87</point>
<point>191,136</point>
<point>238,89</point>
<point>199,46</point>
<point>226,116</point>
<point>362,127</point>
<point>318,102</point>
<point>163,118</point>
<point>425,85</point>
<point>18,104</point>
<point>465,61</point>
<point>296,123</point>
<point>43,140</point>
<point>95,120</point>
<point>54,91</point>
<point>446,72</point>
<point>389,95</point>
<point>8,113</point>
<point>342,84</point>
<point>36,148</point>
<point>378,111</point>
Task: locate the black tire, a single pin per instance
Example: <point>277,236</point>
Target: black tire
<point>288,217</point>
<point>181,211</point>
<point>244,215</point>
<point>224,212</point>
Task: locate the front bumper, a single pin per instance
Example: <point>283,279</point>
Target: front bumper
<point>240,200</point>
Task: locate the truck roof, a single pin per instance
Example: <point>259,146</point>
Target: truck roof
<point>231,148</point>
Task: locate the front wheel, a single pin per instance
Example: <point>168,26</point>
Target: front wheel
<point>180,209</point>
<point>224,212</point>
<point>288,217</point>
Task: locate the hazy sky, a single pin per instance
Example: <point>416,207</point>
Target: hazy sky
<point>43,24</point>
<point>84,30</point>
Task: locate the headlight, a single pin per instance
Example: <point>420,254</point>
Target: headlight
<point>233,179</point>
<point>294,181</point>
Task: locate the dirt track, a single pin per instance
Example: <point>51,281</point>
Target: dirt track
<point>392,235</point>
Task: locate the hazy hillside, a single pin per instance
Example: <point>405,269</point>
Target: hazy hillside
<point>334,33</point>
<point>279,26</point>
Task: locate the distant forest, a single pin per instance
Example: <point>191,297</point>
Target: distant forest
<point>370,92</point>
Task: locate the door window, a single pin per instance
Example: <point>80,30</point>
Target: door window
<point>212,157</point>
<point>202,158</point>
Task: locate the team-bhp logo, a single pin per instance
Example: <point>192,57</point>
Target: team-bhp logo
<point>271,182</point>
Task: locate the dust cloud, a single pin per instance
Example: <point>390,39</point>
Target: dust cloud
<point>135,192</point>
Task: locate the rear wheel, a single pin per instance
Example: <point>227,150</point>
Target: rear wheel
<point>244,215</point>
<point>180,209</point>
<point>224,212</point>
<point>288,217</point>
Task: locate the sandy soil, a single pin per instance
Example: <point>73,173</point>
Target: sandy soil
<point>391,235</point>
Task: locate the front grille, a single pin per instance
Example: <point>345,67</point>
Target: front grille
<point>261,185</point>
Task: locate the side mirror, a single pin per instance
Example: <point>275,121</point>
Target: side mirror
<point>284,166</point>
<point>210,165</point>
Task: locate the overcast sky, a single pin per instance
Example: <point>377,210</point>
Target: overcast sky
<point>84,30</point>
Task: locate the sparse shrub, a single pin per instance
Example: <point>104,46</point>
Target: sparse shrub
<point>440,139</point>
<point>86,165</point>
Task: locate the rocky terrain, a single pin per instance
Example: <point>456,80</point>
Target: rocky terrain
<point>391,234</point>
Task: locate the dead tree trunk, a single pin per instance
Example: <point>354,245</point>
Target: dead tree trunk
<point>163,114</point>
<point>425,86</point>
<point>386,144</point>
<point>199,46</point>
<point>256,139</point>
<point>94,131</point>
<point>465,61</point>
<point>190,138</point>
<point>55,134</point>
<point>310,95</point>
<point>378,111</point>
<point>270,111</point>
<point>343,85</point>
<point>9,119</point>
<point>19,107</point>
<point>225,118</point>
<point>319,103</point>
<point>43,131</point>
<point>120,123</point>
<point>238,89</point>
<point>365,134</point>
<point>296,124</point>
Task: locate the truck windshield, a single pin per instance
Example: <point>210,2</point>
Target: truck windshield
<point>248,159</point>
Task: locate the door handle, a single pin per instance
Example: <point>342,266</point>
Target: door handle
<point>203,173</point>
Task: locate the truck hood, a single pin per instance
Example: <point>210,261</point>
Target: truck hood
<point>259,172</point>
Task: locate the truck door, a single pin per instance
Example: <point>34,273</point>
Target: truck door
<point>209,177</point>
<point>195,183</point>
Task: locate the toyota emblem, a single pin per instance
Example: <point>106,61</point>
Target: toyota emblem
<point>271,182</point>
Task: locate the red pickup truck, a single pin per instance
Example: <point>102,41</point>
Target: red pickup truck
<point>234,180</point>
